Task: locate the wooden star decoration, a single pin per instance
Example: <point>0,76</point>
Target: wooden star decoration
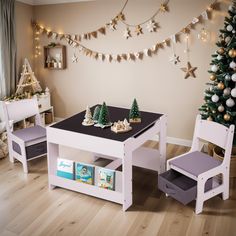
<point>75,58</point>
<point>127,33</point>
<point>120,16</point>
<point>138,30</point>
<point>112,25</point>
<point>163,8</point>
<point>189,70</point>
<point>174,59</point>
<point>151,26</point>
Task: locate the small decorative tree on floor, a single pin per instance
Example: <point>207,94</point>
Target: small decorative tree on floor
<point>96,113</point>
<point>220,96</point>
<point>134,113</point>
<point>104,118</point>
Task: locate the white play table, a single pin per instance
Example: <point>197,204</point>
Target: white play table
<point>124,149</point>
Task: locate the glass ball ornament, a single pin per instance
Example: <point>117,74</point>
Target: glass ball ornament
<point>203,35</point>
<point>219,57</point>
<point>227,91</point>
<point>209,118</point>
<point>227,39</point>
<point>233,31</point>
<point>233,77</point>
<point>214,68</point>
<point>233,92</point>
<point>220,86</point>
<point>227,78</point>
<point>230,102</point>
<point>215,98</point>
<point>212,77</point>
<point>221,108</point>
<point>227,117</point>
<point>232,65</point>
<point>221,51</point>
<point>231,53</point>
<point>229,28</point>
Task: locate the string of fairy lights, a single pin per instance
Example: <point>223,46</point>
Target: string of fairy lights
<point>75,40</point>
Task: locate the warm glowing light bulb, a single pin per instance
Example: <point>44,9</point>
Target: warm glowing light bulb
<point>204,35</point>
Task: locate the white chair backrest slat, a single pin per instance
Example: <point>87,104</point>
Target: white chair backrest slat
<point>22,109</point>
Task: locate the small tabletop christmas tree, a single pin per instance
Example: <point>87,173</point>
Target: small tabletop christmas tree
<point>104,119</point>
<point>88,121</point>
<point>96,113</point>
<point>134,113</point>
<point>220,97</point>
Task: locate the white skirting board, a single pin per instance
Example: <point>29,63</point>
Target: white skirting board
<point>172,140</point>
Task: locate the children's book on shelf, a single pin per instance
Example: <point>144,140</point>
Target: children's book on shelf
<point>106,178</point>
<point>65,168</point>
<point>84,173</point>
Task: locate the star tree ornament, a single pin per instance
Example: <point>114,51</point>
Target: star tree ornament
<point>151,26</point>
<point>138,30</point>
<point>189,70</point>
<point>174,59</point>
<point>112,25</point>
<point>75,58</point>
<point>127,33</point>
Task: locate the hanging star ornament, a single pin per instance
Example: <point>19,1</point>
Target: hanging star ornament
<point>112,25</point>
<point>163,8</point>
<point>151,26</point>
<point>75,58</point>
<point>189,70</point>
<point>120,16</point>
<point>138,30</point>
<point>127,33</point>
<point>174,59</point>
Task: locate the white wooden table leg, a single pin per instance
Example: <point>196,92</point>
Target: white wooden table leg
<point>127,179</point>
<point>162,143</point>
<point>53,153</point>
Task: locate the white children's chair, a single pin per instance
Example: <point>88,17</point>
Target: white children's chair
<point>200,167</point>
<point>27,143</point>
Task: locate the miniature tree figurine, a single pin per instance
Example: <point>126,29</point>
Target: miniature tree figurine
<point>88,121</point>
<point>96,113</point>
<point>134,113</point>
<point>104,119</point>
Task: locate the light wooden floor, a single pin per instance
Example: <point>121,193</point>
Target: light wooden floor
<point>27,207</point>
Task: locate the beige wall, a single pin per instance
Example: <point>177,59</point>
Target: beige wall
<point>24,34</point>
<point>158,85</point>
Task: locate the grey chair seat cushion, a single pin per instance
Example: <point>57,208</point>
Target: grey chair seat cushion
<point>30,134</point>
<point>195,163</point>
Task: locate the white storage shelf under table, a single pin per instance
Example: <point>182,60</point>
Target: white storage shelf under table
<point>124,149</point>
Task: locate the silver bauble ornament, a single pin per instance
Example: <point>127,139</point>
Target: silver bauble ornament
<point>219,57</point>
<point>227,78</point>
<point>233,31</point>
<point>221,108</point>
<point>230,102</point>
<point>233,77</point>
<point>233,92</point>
<point>227,39</point>
<point>232,65</point>
<point>214,68</point>
<point>215,98</point>
<point>229,27</point>
<point>232,8</point>
<point>227,91</point>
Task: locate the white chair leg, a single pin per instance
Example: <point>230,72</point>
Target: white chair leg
<point>200,196</point>
<point>225,176</point>
<point>25,166</point>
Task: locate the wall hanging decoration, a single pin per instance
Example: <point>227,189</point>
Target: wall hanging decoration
<point>74,40</point>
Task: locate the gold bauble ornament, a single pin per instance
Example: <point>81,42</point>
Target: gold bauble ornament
<point>212,77</point>
<point>221,51</point>
<point>209,118</point>
<point>220,86</point>
<point>227,117</point>
<point>232,53</point>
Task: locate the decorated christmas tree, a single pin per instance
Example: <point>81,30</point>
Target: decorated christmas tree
<point>96,113</point>
<point>220,96</point>
<point>134,113</point>
<point>104,118</point>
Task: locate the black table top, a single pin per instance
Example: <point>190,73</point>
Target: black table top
<point>74,124</point>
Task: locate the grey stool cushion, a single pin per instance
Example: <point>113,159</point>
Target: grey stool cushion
<point>31,133</point>
<point>195,163</point>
